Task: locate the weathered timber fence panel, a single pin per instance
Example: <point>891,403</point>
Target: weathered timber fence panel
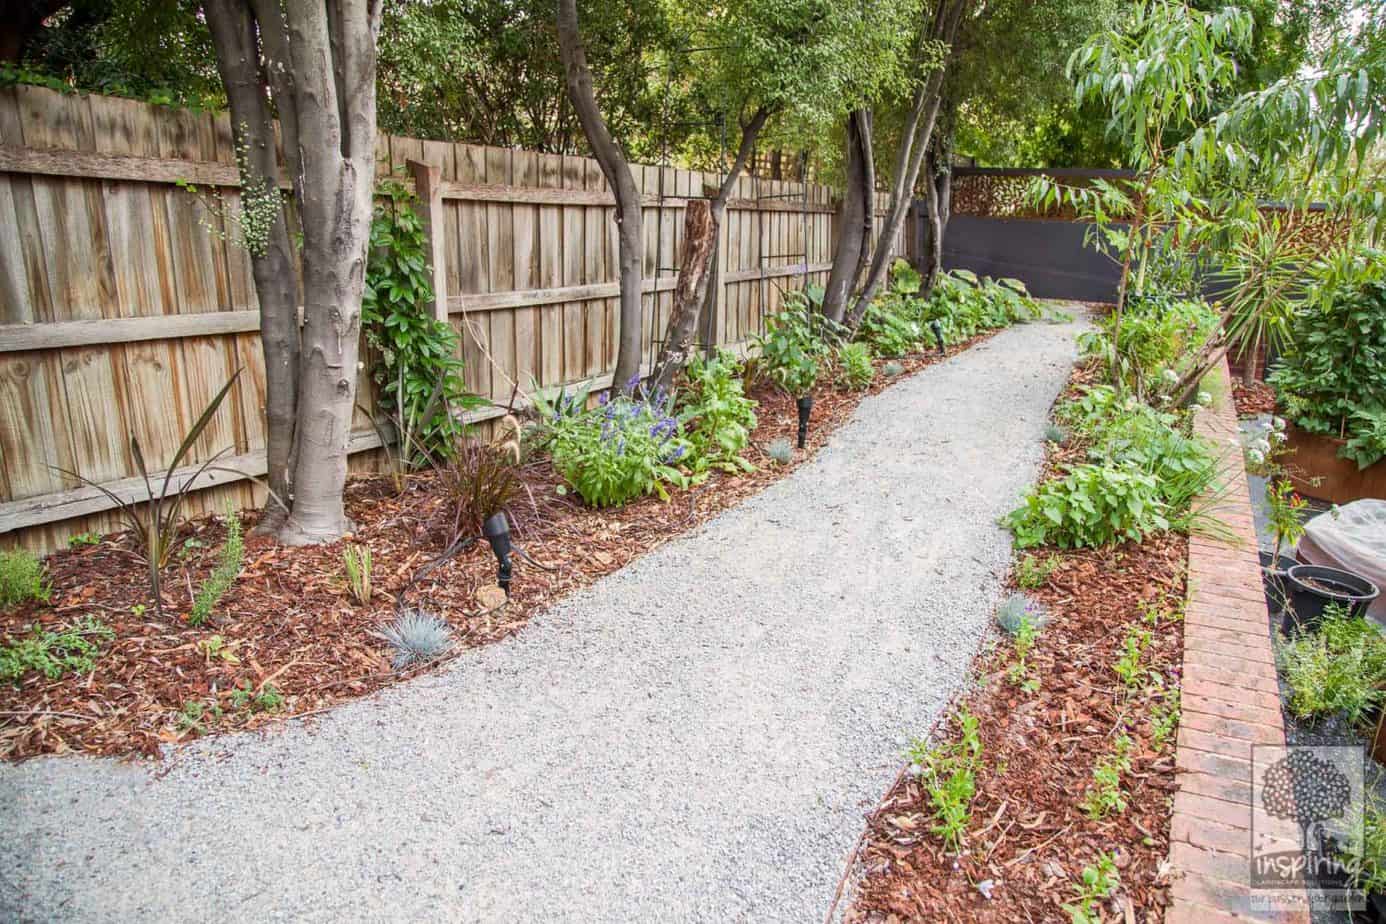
<point>125,303</point>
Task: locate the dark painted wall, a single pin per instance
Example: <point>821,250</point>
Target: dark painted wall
<point>1048,256</point>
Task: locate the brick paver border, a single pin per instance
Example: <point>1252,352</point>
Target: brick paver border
<point>1230,701</point>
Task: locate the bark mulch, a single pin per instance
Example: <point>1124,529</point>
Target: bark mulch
<point>1254,399</point>
<point>290,622</point>
<point>1029,837</point>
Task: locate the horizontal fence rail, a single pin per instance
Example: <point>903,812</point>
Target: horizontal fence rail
<point>125,303</point>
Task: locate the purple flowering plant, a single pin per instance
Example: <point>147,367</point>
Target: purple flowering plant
<point>626,446</point>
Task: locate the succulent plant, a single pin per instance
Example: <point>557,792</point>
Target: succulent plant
<point>1053,433</point>
<point>1019,609</point>
<point>416,635</point>
<point>781,450</point>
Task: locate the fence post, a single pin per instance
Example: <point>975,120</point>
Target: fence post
<point>428,184</point>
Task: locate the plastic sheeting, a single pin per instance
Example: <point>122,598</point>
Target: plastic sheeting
<point>1351,537</point>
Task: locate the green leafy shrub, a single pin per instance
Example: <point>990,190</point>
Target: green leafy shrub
<point>888,331</point>
<point>223,576</point>
<point>21,578</point>
<point>1367,443</point>
<point>1157,333</point>
<point>624,448</point>
<point>1092,505</point>
<point>417,357</point>
<point>1339,669</point>
<point>716,414</point>
<point>854,368</point>
<point>53,654</point>
<point>796,342</point>
<point>1334,371</point>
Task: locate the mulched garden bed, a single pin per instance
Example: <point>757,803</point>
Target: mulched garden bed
<point>1254,399</point>
<point>290,622</point>
<point>1028,834</point>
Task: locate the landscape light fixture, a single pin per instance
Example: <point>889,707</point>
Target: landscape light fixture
<point>937,328</point>
<point>805,408</point>
<point>496,529</point>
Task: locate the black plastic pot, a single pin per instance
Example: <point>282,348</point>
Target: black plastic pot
<point>1273,570</point>
<point>1313,587</point>
<point>805,408</point>
<point>1376,907</point>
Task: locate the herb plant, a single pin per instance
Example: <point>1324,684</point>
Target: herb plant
<point>21,578</point>
<point>223,576</point>
<point>1340,669</point>
<point>1032,570</point>
<point>1098,882</point>
<point>949,775</point>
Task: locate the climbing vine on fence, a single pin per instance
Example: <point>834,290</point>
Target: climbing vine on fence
<point>417,356</point>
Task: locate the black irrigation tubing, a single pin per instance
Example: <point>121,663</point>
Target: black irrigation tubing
<point>449,553</point>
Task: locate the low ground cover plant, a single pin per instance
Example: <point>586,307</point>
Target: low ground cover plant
<point>54,653</point>
<point>1145,474</point>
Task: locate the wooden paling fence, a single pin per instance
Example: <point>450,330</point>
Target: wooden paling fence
<point>125,303</point>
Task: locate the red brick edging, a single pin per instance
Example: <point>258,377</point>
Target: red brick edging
<point>1230,701</point>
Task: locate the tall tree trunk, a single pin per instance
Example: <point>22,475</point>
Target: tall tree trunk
<point>316,62</point>
<point>272,265</point>
<point>629,220</point>
<point>750,133</point>
<point>856,218</point>
<point>699,235</point>
<point>914,140</point>
<point>938,201</point>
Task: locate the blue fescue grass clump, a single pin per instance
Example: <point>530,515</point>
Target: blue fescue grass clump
<point>416,636</point>
<point>1019,610</point>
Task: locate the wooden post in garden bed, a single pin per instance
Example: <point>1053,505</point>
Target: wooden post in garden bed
<point>1230,701</point>
<point>428,185</point>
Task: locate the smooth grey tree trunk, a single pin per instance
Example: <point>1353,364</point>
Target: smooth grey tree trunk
<point>316,63</point>
<point>914,141</point>
<point>856,217</point>
<point>272,266</point>
<point>629,219</point>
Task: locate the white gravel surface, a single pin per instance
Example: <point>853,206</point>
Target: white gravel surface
<point>695,737</point>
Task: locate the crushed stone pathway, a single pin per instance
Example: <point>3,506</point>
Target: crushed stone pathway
<point>695,737</point>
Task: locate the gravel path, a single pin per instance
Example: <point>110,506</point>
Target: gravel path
<point>695,737</point>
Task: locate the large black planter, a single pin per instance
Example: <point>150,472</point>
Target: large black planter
<point>1313,587</point>
<point>805,408</point>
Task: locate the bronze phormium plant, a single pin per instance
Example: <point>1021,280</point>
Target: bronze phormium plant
<point>155,520</point>
<point>478,481</point>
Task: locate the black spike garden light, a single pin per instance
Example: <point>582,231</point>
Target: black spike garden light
<point>805,405</point>
<point>937,328</point>
<point>496,529</point>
